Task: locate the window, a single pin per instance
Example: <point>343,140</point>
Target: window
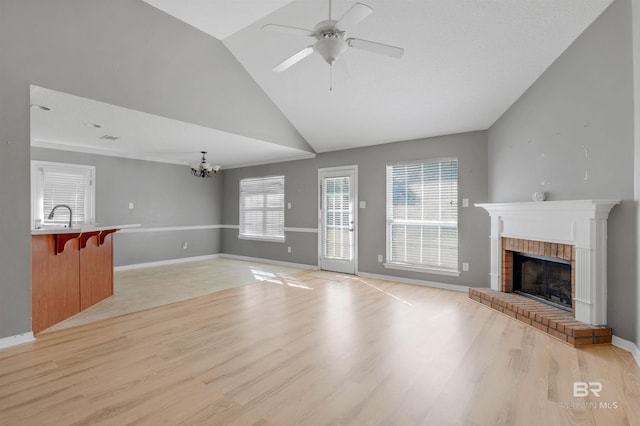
<point>262,208</point>
<point>422,216</point>
<point>59,183</point>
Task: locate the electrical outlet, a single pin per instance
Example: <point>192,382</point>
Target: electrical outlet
<point>465,267</point>
<point>289,249</point>
<point>184,245</point>
<point>380,258</point>
<point>465,202</point>
<point>131,206</point>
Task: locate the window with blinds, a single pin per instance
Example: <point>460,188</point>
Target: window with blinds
<point>422,215</point>
<point>262,208</point>
<point>59,183</point>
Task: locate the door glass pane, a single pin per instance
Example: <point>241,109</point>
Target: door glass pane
<point>337,218</point>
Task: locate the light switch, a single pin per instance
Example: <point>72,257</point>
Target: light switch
<point>465,202</point>
<point>131,205</point>
<point>363,204</point>
<point>465,267</point>
<point>289,205</point>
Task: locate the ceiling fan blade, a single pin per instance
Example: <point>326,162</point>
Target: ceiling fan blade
<point>372,46</point>
<point>354,15</point>
<point>293,59</point>
<point>287,30</point>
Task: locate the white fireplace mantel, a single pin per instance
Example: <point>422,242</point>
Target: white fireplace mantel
<point>582,223</point>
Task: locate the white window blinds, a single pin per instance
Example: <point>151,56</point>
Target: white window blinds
<point>338,238</point>
<point>422,214</point>
<point>262,208</point>
<point>59,183</point>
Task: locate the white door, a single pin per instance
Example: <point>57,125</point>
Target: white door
<point>337,219</point>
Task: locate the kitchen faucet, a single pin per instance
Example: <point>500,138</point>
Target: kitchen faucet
<point>61,205</point>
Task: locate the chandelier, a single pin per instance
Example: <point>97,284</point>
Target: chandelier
<point>204,168</point>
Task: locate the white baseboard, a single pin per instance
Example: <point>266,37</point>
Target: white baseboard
<point>425,283</point>
<point>18,339</point>
<point>627,346</point>
<point>213,256</point>
<point>268,261</point>
<point>434,284</point>
<point>165,262</point>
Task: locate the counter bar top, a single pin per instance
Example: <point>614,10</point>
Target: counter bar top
<point>80,229</point>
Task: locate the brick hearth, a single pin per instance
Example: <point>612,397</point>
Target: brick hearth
<point>556,322</point>
<point>553,321</point>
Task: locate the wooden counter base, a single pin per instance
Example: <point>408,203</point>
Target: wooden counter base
<point>66,280</point>
<point>55,281</point>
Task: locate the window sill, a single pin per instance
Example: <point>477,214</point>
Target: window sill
<point>424,270</point>
<point>261,238</point>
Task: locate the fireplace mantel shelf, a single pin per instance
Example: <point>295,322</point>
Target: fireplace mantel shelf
<point>591,208</point>
<point>580,223</point>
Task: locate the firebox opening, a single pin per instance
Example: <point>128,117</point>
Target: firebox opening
<point>544,279</point>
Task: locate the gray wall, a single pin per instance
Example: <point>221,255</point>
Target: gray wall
<point>122,52</point>
<point>636,114</point>
<point>577,121</point>
<point>301,177</point>
<point>163,195</point>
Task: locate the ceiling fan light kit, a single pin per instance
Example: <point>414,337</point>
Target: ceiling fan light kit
<point>331,41</point>
<point>330,49</point>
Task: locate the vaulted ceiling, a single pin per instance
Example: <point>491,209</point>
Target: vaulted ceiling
<point>465,63</point>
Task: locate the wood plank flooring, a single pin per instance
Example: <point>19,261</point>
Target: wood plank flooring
<point>313,348</point>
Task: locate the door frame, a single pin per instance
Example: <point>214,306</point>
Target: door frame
<point>350,168</point>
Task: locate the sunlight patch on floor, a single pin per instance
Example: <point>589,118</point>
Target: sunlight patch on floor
<point>385,292</point>
<point>140,289</point>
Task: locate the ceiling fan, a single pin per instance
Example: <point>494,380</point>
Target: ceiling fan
<point>331,40</point>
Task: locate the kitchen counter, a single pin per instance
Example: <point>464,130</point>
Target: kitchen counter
<point>71,270</point>
<point>79,229</point>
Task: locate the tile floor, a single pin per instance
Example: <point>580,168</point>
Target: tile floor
<point>140,289</point>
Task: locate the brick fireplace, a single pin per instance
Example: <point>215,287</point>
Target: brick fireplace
<point>512,246</point>
<point>570,232</point>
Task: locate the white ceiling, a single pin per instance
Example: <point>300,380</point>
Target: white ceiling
<point>219,18</point>
<point>465,63</point>
<point>141,135</point>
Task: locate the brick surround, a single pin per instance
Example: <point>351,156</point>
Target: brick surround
<point>551,320</point>
<point>551,250</point>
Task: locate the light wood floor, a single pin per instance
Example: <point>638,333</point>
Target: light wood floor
<point>314,348</point>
